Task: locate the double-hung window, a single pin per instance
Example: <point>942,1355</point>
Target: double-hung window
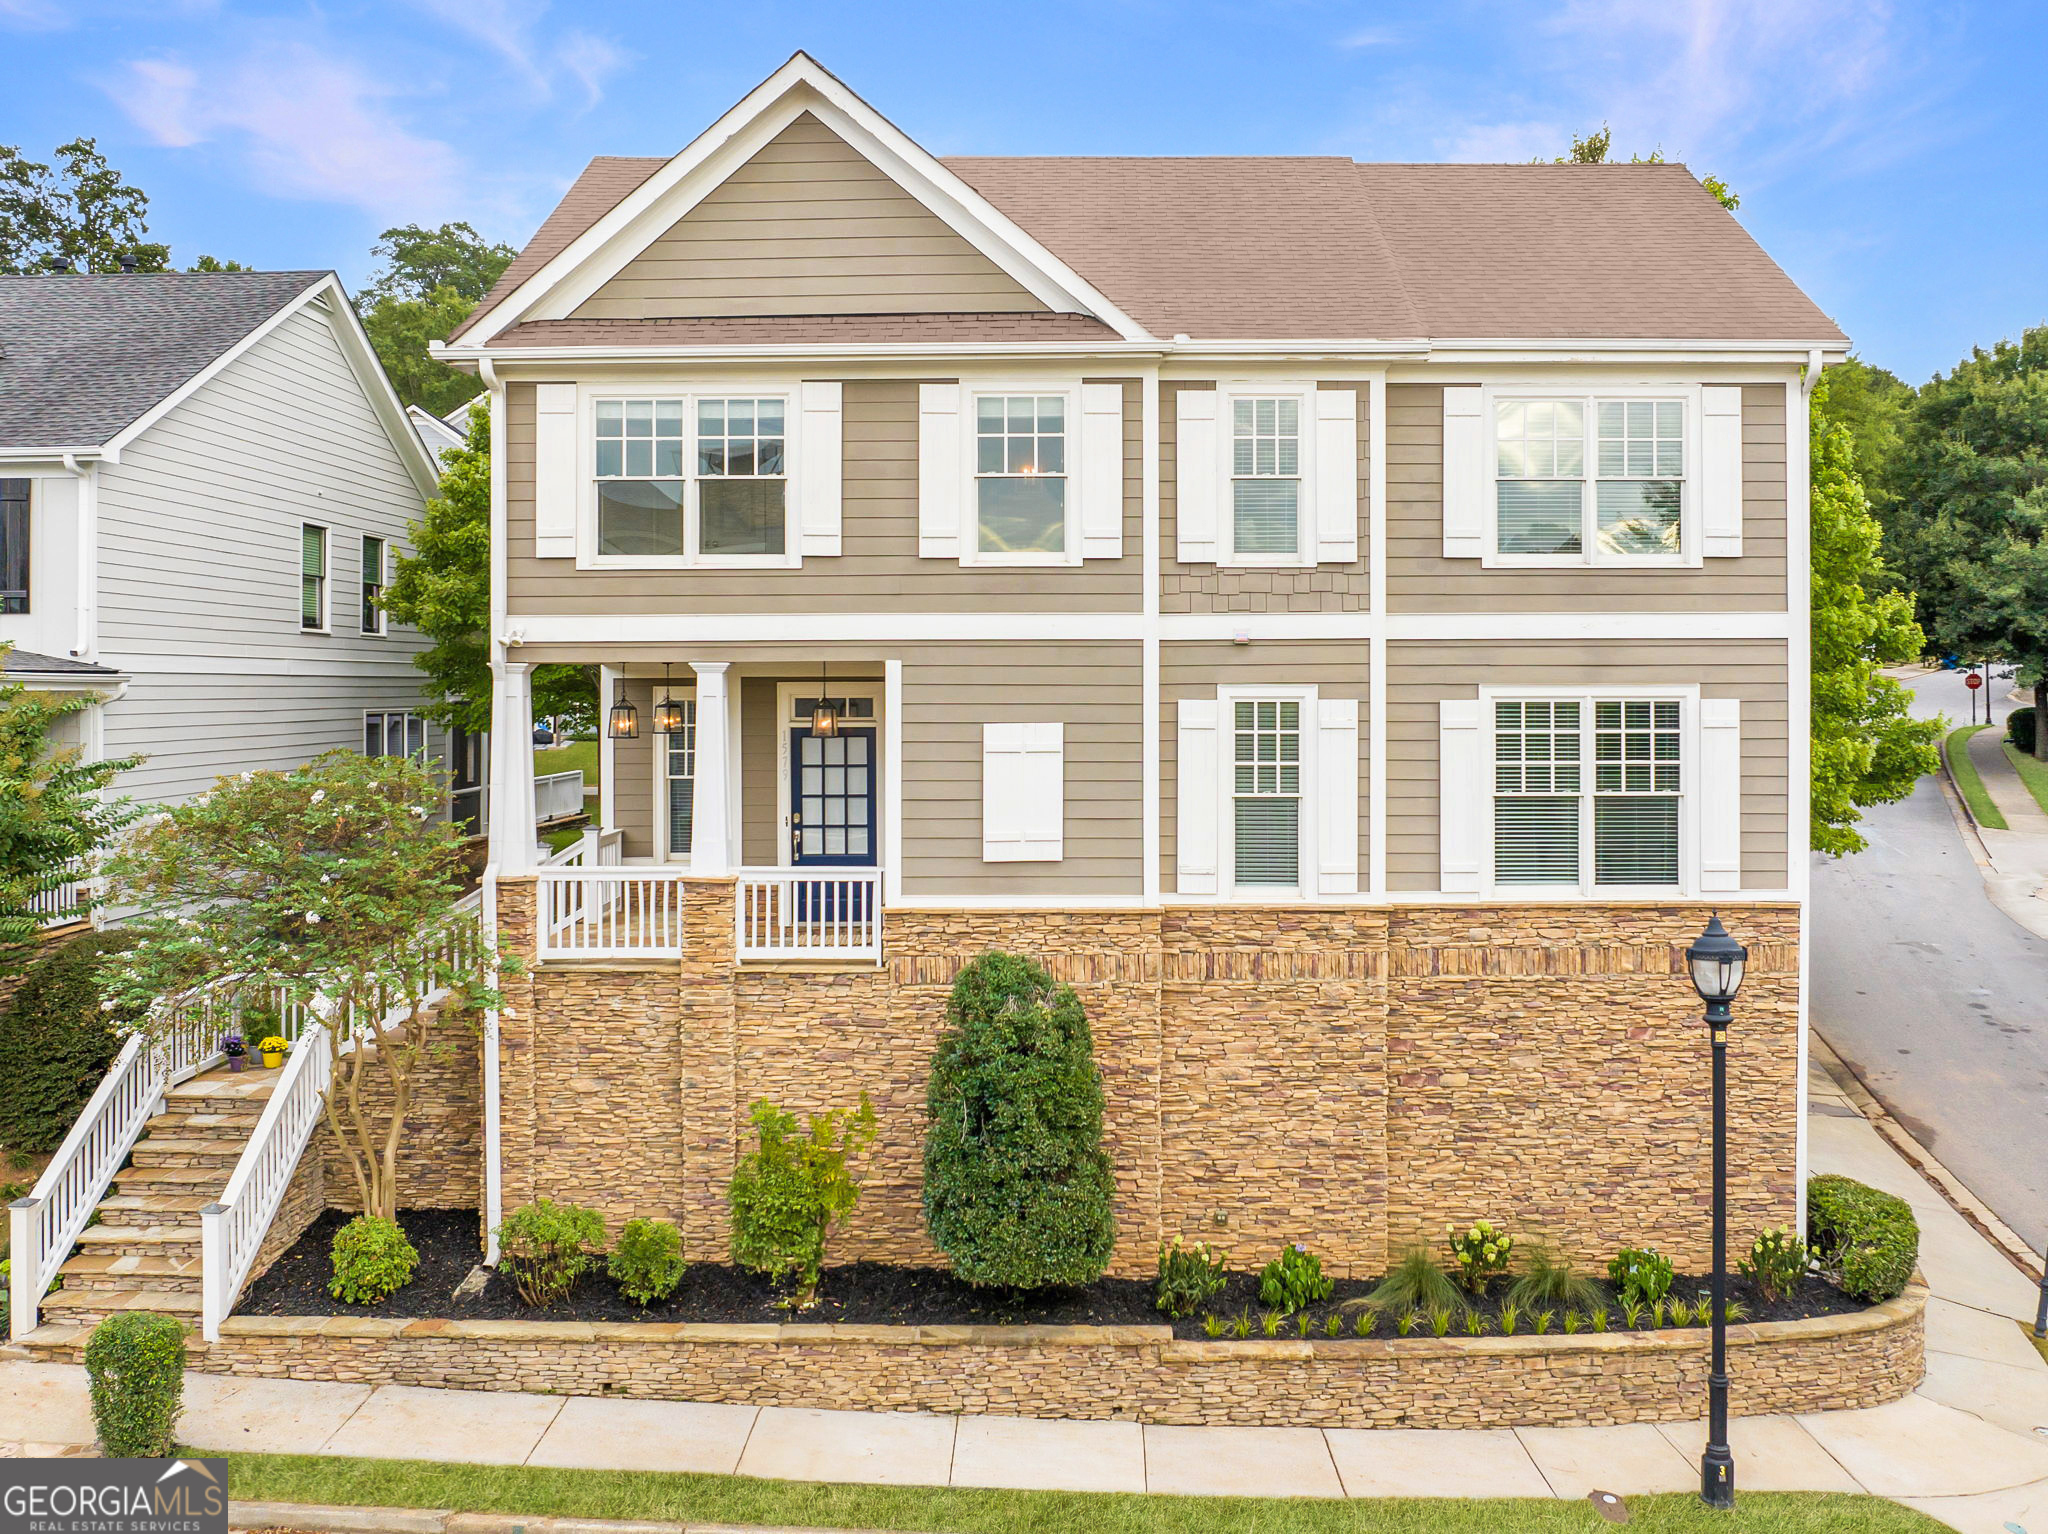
<point>681,765</point>
<point>373,585</point>
<point>696,480</point>
<point>1587,792</point>
<point>1590,480</point>
<point>1020,478</point>
<point>312,576</point>
<point>1265,481</point>
<point>14,545</point>
<point>394,733</point>
<point>1266,792</point>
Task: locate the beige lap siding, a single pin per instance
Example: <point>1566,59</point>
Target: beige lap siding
<point>1208,588</point>
<point>1094,691</point>
<point>1420,579</point>
<point>1420,675</point>
<point>1336,667</point>
<point>879,568</point>
<point>634,764</point>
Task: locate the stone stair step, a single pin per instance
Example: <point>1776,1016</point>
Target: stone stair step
<point>154,1209</point>
<point>206,1125</point>
<point>180,1150</point>
<point>222,1091</point>
<point>177,1180</point>
<point>180,1240</point>
<point>121,1271</point>
<point>75,1305</point>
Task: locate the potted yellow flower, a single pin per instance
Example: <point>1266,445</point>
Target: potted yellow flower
<point>273,1049</point>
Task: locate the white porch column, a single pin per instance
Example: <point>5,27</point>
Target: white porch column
<point>512,805</point>
<point>711,802</point>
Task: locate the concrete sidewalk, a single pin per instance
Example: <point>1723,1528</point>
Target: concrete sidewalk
<point>1969,1447</point>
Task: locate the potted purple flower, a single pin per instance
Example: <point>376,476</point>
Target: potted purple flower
<point>235,1048</point>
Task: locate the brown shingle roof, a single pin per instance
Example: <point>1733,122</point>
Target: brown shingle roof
<point>822,329</point>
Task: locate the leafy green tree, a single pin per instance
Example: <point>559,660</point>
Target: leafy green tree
<point>1966,507</point>
<point>430,281</point>
<point>1871,402</point>
<point>81,213</point>
<point>1593,149</point>
<point>215,264</point>
<point>443,589</point>
<point>1866,748</point>
<point>332,886</point>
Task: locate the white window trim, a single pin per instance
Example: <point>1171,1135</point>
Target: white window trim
<point>1589,556</point>
<point>971,394</point>
<point>1307,832</point>
<point>383,628</point>
<point>408,714</point>
<point>1305,530</point>
<point>1687,696</point>
<point>789,391</point>
<point>786,693</point>
<point>326,623</point>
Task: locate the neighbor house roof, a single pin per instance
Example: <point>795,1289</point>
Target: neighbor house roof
<point>27,664</point>
<point>1286,247</point>
<point>84,355</point>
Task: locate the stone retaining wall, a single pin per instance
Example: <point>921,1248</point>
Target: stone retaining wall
<point>1132,1373</point>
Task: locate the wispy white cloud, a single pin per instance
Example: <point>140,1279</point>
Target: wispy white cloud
<point>1493,143</point>
<point>517,32</point>
<point>1370,37</point>
<point>33,15</point>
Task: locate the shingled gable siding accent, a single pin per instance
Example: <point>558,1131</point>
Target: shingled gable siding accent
<point>1420,579</point>
<point>878,568</point>
<point>1419,676</point>
<point>807,226</point>
<point>1204,588</point>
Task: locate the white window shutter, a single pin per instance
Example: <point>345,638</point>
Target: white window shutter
<point>940,486</point>
<point>555,480</point>
<point>1467,477</point>
<point>1720,476</point>
<point>821,439</point>
<point>1198,809</point>
<point>1023,793</point>
<point>1102,471</point>
<point>1718,775</point>
<point>1337,796</point>
<point>1336,476</point>
<point>1198,464</point>
<point>1461,810</point>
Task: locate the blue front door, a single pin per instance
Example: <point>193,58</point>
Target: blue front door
<point>832,799</point>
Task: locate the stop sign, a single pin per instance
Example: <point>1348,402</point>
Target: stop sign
<point>1973,681</point>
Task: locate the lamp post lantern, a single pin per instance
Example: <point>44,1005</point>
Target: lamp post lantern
<point>1716,962</point>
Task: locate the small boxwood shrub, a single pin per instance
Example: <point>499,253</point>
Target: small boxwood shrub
<point>787,1195</point>
<point>1867,1241</point>
<point>372,1260</point>
<point>56,1042</point>
<point>1188,1276</point>
<point>545,1247</point>
<point>648,1261</point>
<point>1017,1188</point>
<point>135,1364</point>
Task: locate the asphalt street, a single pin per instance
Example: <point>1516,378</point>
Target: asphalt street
<point>1936,997</point>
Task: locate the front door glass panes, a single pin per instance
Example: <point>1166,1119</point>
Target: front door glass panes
<point>1266,798</point>
<point>1265,486</point>
<point>835,795</point>
<point>639,459</point>
<point>1020,468</point>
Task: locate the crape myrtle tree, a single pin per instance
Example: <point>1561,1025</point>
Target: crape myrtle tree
<point>332,886</point>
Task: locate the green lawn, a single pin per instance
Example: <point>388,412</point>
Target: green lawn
<point>536,1492</point>
<point>567,758</point>
<point>2032,773</point>
<point>1964,772</point>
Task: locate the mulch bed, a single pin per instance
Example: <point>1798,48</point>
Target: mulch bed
<point>870,1292</point>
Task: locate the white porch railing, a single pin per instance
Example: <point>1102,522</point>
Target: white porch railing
<point>61,904</point>
<point>558,795</point>
<point>809,913</point>
<point>593,849</point>
<point>605,911</point>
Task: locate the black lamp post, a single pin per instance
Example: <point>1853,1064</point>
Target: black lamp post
<point>1716,962</point>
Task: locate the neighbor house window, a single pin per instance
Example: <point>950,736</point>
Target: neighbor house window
<point>1020,477</point>
<point>703,479</point>
<point>14,545</point>
<point>1587,791</point>
<point>373,585</point>
<point>312,576</point>
<point>1265,484</point>
<point>1266,792</point>
<point>396,732</point>
<point>1590,480</point>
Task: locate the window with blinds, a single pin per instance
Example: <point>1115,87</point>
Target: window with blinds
<point>682,779</point>
<point>1589,479</point>
<point>1583,784</point>
<point>1266,792</point>
<point>1265,486</point>
<point>312,576</point>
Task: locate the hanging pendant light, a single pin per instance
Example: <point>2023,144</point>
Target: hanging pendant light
<point>623,723</point>
<point>668,714</point>
<point>824,717</point>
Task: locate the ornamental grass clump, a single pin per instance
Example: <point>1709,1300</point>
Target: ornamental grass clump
<point>372,1260</point>
<point>1416,1282</point>
<point>1867,1241</point>
<point>1550,1280</point>
<point>792,1190</point>
<point>135,1364</point>
<point>1017,1187</point>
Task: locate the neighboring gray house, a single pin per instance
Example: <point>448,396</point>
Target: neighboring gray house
<point>203,476</point>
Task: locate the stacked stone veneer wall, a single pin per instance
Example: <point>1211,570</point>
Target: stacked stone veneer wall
<point>1134,1373</point>
<point>440,1157</point>
<point>1354,1078</point>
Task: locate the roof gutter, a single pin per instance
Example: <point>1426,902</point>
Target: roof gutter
<point>71,457</point>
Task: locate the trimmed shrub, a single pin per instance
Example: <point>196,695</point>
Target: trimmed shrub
<point>788,1194</point>
<point>546,1247</point>
<point>1188,1275</point>
<point>1017,1187</point>
<point>372,1260</point>
<point>56,1042</point>
<point>648,1261</point>
<point>1293,1280</point>
<point>2019,729</point>
<point>1867,1241</point>
<point>135,1363</point>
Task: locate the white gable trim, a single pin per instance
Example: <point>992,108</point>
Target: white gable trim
<point>801,85</point>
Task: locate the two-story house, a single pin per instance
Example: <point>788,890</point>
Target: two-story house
<point>1347,619</point>
<point>204,480</point>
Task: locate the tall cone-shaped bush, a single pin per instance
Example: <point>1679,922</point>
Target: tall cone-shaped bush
<point>1017,1188</point>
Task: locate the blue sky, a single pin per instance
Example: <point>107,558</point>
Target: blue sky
<point>1889,155</point>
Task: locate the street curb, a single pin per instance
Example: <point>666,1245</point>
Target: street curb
<point>314,1518</point>
<point>1958,798</point>
<point>1951,1187</point>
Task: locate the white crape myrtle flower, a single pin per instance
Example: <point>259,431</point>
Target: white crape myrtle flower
<point>312,918</point>
<point>318,795</point>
